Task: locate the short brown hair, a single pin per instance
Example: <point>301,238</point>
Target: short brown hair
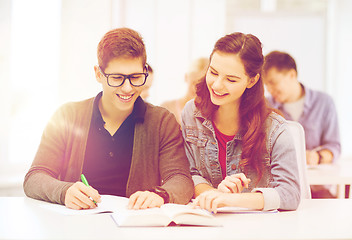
<point>120,42</point>
<point>280,60</point>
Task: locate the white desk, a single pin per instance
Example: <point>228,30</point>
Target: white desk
<point>21,218</point>
<point>339,174</point>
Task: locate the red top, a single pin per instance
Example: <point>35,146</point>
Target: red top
<point>222,140</point>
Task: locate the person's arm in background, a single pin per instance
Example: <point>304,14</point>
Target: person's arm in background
<point>330,147</point>
<point>315,157</point>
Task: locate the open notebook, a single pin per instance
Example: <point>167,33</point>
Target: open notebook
<point>168,214</point>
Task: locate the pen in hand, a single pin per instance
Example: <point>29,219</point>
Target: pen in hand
<point>84,180</point>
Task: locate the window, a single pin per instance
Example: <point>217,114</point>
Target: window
<point>31,77</point>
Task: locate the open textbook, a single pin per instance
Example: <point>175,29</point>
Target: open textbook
<point>165,215</point>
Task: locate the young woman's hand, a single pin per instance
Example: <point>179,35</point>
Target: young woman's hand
<point>234,183</point>
<point>80,196</point>
<point>144,199</point>
<point>213,199</point>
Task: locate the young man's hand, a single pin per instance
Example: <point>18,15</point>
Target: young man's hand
<point>80,196</point>
<point>144,199</point>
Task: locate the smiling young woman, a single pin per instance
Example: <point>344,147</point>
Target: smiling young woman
<point>241,152</point>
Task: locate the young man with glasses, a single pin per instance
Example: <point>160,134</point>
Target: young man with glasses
<point>123,145</point>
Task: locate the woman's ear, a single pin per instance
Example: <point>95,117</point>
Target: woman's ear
<point>252,81</point>
<point>98,74</point>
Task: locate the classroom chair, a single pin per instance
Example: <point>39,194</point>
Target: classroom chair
<point>300,145</point>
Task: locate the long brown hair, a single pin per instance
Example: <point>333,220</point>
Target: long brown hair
<point>253,107</point>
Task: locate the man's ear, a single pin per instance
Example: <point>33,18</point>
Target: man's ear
<point>98,74</point>
<point>252,81</point>
<point>292,74</point>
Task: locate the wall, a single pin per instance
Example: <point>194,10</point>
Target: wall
<point>175,33</point>
<point>341,79</point>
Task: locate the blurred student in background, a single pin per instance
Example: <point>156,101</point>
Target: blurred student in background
<point>123,145</point>
<point>195,72</point>
<point>241,153</point>
<point>314,110</point>
<point>146,88</point>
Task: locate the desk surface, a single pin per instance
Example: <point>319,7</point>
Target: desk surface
<point>21,218</point>
<point>340,173</point>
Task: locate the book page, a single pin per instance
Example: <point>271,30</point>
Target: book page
<point>174,210</point>
<point>151,217</point>
<point>108,204</point>
<point>242,210</point>
<point>188,215</point>
<point>163,216</point>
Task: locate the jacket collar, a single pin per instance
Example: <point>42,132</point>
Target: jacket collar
<point>208,123</point>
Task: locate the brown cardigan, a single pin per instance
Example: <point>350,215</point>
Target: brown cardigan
<point>158,156</point>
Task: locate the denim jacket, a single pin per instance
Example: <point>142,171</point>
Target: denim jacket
<point>280,181</point>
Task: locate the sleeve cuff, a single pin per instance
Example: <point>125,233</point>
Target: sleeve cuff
<point>198,180</point>
<point>271,198</point>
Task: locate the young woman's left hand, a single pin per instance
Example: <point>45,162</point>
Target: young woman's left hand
<point>213,199</point>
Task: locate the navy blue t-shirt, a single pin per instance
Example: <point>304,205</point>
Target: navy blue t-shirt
<point>108,158</point>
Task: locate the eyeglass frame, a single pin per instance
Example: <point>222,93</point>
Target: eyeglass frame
<point>146,74</point>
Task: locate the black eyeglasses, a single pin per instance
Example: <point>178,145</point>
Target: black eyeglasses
<point>117,80</point>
